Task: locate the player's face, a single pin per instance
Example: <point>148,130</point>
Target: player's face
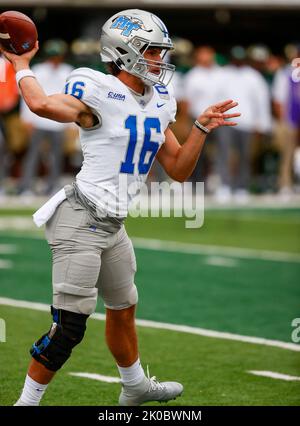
<point>154,54</point>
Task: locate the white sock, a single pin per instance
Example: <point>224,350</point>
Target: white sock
<point>132,375</point>
<point>32,392</point>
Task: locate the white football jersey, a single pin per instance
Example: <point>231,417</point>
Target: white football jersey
<point>119,151</point>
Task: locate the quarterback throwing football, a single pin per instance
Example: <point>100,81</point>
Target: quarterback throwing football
<point>124,122</point>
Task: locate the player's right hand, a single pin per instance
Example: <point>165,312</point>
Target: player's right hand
<point>20,61</point>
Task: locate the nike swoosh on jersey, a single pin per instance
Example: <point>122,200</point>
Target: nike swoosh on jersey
<point>160,105</point>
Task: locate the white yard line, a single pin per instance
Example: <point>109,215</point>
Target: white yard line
<point>242,253</point>
<point>256,202</point>
<point>17,223</point>
<point>166,326</point>
<point>201,249</point>
<point>274,375</point>
<point>8,248</point>
<point>99,377</point>
<point>226,262</point>
<point>6,264</point>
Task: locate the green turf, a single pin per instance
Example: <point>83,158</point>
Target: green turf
<point>267,229</point>
<point>227,229</point>
<point>30,279</point>
<point>255,297</point>
<point>9,212</point>
<point>213,371</point>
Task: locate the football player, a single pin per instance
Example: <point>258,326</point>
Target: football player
<point>124,120</point>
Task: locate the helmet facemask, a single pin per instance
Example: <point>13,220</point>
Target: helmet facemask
<point>141,68</point>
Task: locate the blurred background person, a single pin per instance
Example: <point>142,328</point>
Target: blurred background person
<point>262,155</point>
<point>52,75</point>
<point>182,58</point>
<point>286,105</point>
<point>258,57</point>
<point>9,99</point>
<point>249,88</point>
<point>202,86</point>
<point>84,52</point>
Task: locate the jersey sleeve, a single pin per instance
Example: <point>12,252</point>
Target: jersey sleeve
<point>83,84</point>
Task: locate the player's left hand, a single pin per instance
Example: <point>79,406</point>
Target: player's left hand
<point>214,116</point>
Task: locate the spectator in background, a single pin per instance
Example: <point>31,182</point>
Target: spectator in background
<point>245,84</point>
<point>286,104</point>
<point>84,53</point>
<point>181,57</point>
<point>274,63</point>
<point>258,55</point>
<point>202,86</point>
<point>9,99</point>
<point>52,75</point>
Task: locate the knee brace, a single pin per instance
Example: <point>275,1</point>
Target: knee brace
<point>55,347</point>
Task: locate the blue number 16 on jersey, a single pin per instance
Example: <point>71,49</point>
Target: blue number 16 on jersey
<point>127,166</point>
<point>77,89</point>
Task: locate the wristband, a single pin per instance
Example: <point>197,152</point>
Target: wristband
<point>24,73</point>
<point>200,127</point>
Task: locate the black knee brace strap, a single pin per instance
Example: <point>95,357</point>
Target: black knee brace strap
<point>55,347</point>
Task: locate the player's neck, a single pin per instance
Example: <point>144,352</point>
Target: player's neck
<point>132,82</point>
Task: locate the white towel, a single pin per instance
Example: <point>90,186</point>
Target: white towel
<point>44,213</point>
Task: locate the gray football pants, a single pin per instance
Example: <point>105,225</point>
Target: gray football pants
<point>88,259</point>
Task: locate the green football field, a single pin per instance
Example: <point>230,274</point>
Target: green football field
<point>238,274</point>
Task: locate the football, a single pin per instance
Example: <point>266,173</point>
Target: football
<point>18,32</point>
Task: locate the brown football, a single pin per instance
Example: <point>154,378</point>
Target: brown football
<point>18,33</point>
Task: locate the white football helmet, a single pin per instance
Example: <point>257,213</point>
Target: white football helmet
<point>127,35</point>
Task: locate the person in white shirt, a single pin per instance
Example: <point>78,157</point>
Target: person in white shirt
<point>249,87</point>
<point>124,120</point>
<point>52,74</point>
<point>203,84</point>
<point>182,58</point>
